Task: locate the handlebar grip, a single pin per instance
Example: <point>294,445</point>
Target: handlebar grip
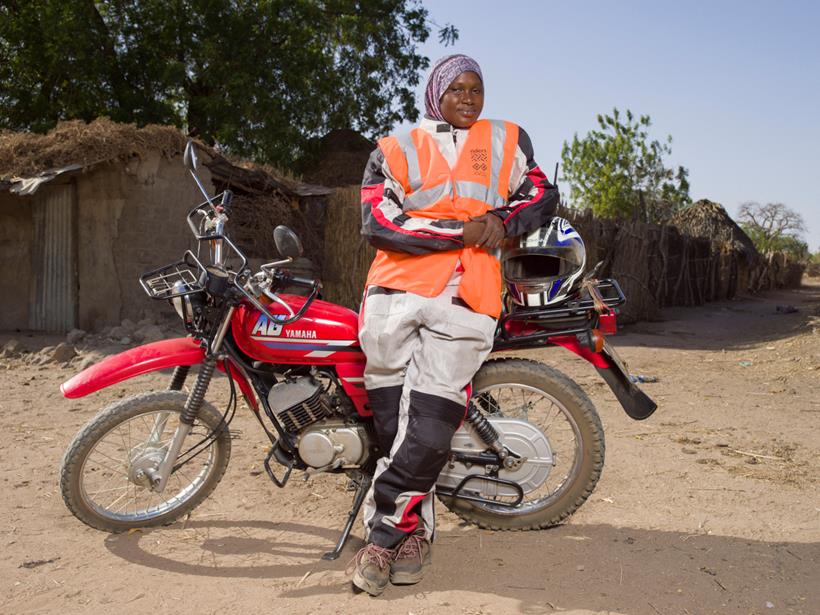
<point>300,281</point>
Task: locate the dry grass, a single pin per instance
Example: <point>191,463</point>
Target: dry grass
<point>347,256</point>
<point>706,218</point>
<point>77,142</point>
<point>255,216</point>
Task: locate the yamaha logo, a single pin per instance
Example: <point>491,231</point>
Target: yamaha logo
<point>306,334</point>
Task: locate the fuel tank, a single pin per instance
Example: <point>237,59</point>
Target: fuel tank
<point>327,334</point>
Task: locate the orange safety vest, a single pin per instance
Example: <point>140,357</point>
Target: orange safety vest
<point>478,182</point>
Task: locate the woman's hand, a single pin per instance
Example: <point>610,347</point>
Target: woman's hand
<point>485,231</point>
<point>473,231</point>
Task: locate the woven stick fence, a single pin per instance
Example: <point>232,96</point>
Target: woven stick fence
<point>656,265</point>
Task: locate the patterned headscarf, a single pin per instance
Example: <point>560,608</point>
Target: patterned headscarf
<point>441,76</point>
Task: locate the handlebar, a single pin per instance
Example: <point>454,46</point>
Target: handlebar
<point>296,280</point>
<point>215,215</point>
<point>278,318</point>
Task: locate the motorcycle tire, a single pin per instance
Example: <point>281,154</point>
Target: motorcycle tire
<point>72,482</point>
<point>589,460</point>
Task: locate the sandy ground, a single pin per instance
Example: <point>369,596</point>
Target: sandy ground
<point>710,506</point>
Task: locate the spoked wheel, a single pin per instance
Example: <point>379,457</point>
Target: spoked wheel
<point>104,476</point>
<point>563,442</point>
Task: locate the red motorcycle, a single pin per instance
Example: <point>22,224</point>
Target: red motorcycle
<point>529,453</point>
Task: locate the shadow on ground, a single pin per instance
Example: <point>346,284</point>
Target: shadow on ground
<point>594,567</point>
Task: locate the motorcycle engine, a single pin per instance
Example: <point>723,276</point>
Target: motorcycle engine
<point>333,444</point>
<point>324,442</point>
<point>299,403</point>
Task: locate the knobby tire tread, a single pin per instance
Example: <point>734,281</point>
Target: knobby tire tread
<point>554,382</point>
<point>107,420</point>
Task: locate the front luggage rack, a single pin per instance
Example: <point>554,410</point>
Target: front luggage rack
<point>184,277</point>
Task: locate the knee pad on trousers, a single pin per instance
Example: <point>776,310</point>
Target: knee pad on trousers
<point>384,402</point>
<point>431,423</point>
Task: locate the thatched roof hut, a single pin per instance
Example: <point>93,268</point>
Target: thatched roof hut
<point>339,160</point>
<point>27,155</point>
<point>706,218</point>
<point>86,208</point>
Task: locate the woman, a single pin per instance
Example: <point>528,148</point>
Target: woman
<point>436,202</point>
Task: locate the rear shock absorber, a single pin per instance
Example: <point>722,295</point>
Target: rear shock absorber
<point>485,430</point>
<point>197,395</point>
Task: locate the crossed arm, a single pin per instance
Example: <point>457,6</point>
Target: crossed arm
<point>386,226</point>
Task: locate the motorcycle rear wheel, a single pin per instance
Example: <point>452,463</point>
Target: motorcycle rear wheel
<point>97,478</point>
<point>497,383</point>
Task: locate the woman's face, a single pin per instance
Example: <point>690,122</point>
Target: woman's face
<point>463,100</point>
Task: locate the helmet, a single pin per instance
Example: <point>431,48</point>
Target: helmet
<point>544,267</point>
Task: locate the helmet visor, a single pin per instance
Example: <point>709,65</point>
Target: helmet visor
<point>533,266</point>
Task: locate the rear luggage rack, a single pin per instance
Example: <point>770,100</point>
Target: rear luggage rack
<point>523,326</point>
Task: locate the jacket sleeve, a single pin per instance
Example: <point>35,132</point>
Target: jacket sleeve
<point>385,224</point>
<point>533,199</point>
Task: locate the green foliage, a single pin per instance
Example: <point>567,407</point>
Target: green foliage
<point>259,77</point>
<point>773,227</point>
<point>618,172</point>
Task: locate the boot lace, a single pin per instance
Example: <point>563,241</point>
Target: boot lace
<point>411,547</point>
<point>379,556</point>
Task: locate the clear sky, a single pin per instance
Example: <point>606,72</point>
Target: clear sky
<point>736,84</point>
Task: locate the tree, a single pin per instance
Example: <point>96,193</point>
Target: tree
<point>260,77</point>
<point>618,171</point>
<point>774,228</point>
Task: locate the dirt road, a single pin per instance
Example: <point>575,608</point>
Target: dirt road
<point>710,506</point>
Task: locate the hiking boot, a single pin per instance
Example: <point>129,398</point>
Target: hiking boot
<point>412,557</point>
<point>372,568</point>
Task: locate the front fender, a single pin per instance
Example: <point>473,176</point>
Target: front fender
<point>142,360</point>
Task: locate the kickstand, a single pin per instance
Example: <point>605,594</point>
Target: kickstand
<point>358,500</point>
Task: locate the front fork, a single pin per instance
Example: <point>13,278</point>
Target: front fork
<point>177,381</point>
<point>159,477</point>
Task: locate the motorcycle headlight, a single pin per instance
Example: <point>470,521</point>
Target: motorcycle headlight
<point>182,303</point>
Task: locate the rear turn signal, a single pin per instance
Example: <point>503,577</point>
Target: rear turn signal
<point>592,339</point>
<point>597,340</point>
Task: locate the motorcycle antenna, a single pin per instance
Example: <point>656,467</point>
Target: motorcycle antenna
<point>555,175</point>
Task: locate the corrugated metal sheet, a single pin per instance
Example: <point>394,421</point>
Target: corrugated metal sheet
<point>54,304</point>
<point>29,185</point>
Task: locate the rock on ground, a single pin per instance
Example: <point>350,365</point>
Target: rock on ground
<point>63,353</point>
<point>74,336</point>
<point>149,333</point>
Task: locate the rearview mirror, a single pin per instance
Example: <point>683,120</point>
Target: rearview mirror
<point>189,157</point>
<point>287,242</point>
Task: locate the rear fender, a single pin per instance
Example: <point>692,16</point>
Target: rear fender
<point>637,404</point>
<point>143,360</point>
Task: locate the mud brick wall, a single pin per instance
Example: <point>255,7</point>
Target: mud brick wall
<point>16,233</point>
<point>131,219</point>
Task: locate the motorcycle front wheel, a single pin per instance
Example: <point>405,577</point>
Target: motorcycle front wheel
<point>561,411</point>
<point>103,475</point>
